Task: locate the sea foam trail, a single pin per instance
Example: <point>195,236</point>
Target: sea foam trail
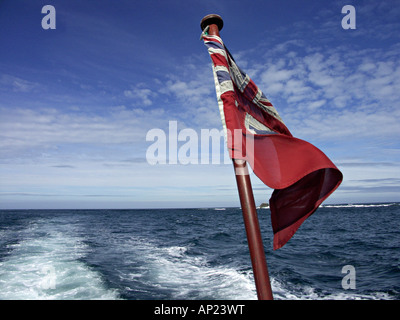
<point>350,205</point>
<point>195,277</point>
<point>48,267</point>
<point>284,291</point>
<point>184,276</point>
<point>192,277</point>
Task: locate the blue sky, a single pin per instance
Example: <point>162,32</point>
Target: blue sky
<point>77,102</point>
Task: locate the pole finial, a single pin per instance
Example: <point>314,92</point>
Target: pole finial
<point>212,19</point>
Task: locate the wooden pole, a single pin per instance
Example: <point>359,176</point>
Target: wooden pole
<point>256,248</point>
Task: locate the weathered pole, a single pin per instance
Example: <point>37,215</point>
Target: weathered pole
<point>254,239</point>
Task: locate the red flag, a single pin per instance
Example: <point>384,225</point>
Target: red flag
<point>302,175</point>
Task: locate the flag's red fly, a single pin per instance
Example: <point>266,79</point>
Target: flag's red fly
<point>302,175</point>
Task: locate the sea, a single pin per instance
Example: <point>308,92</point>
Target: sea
<point>341,252</point>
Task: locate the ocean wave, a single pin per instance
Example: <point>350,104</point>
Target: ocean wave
<point>172,269</point>
<point>134,255</point>
<point>289,291</point>
<point>350,205</point>
<point>49,268</point>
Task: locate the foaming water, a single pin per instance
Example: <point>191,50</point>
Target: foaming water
<point>186,276</point>
<point>46,265</point>
<point>350,205</point>
<point>282,291</point>
<point>195,254</point>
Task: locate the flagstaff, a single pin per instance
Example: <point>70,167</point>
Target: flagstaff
<point>256,248</point>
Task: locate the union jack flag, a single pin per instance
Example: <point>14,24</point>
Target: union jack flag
<point>301,175</point>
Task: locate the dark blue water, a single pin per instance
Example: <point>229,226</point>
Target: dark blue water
<point>195,254</point>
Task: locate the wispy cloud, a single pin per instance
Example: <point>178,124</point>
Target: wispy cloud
<point>192,92</point>
<point>16,84</point>
<point>62,166</point>
<point>331,94</point>
<point>74,113</point>
<point>32,132</point>
<point>367,164</point>
<point>140,95</point>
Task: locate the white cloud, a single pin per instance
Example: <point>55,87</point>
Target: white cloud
<point>140,95</point>
<point>347,100</point>
<point>193,96</point>
<point>316,104</point>
<point>31,133</point>
<point>334,93</point>
<point>16,84</point>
